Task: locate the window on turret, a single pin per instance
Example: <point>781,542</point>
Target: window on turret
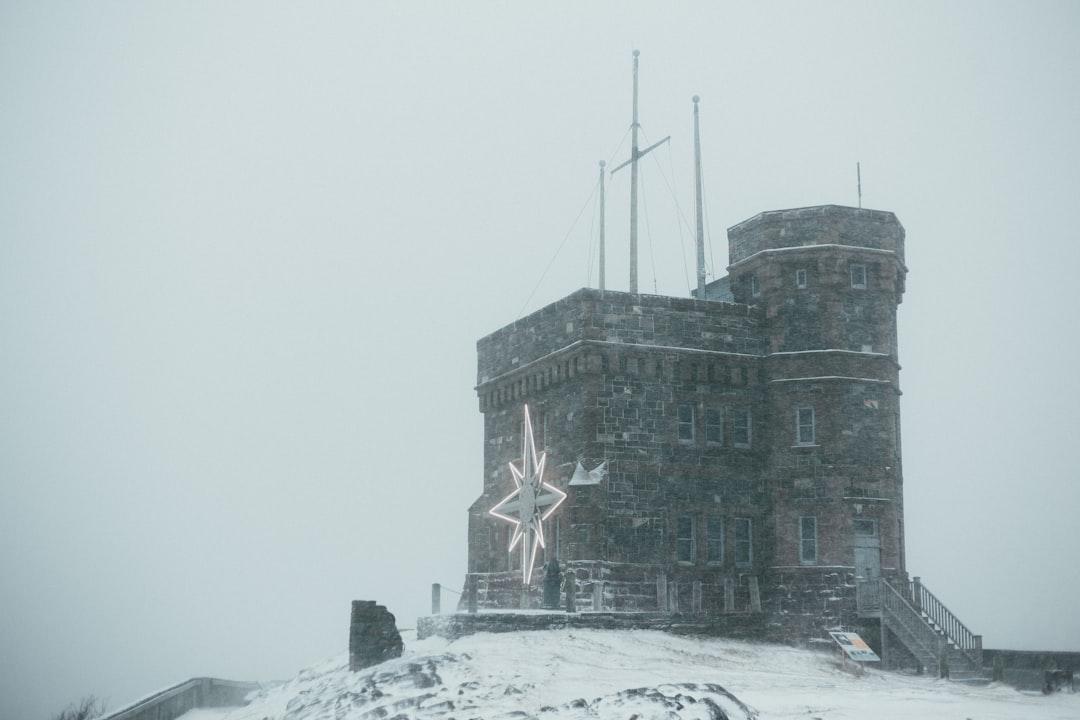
<point>804,426</point>
<point>686,423</point>
<point>714,540</point>
<point>808,540</point>
<point>744,544</point>
<point>858,276</point>
<point>714,426</point>
<point>684,539</point>
<point>800,278</point>
<point>740,435</point>
<point>755,289</point>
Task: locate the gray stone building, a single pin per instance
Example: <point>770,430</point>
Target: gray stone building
<point>745,446</point>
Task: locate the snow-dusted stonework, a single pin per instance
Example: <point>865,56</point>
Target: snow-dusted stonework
<point>751,439</point>
<point>373,635</point>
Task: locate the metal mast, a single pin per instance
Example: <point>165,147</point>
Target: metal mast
<point>635,154</point>
<point>700,213</point>
<point>602,261</point>
<point>633,185</point>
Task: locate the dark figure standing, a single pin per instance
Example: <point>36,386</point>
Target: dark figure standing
<point>552,582</point>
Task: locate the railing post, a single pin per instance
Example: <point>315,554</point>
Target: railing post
<point>436,598</point>
<point>978,653</point>
<point>916,593</point>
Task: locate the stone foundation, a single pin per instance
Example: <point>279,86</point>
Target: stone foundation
<point>804,603</point>
<point>742,627</point>
<point>622,587</point>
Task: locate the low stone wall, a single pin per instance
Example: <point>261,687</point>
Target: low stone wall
<point>618,587</point>
<point>189,695</point>
<point>1028,669</point>
<point>742,627</point>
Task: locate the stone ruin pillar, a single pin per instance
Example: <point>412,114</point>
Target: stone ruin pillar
<point>373,635</point>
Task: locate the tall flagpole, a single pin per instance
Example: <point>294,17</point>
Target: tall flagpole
<point>700,213</point>
<point>635,155</point>
<point>602,261</point>
<point>633,184</point>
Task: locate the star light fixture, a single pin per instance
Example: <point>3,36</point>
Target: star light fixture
<point>531,503</point>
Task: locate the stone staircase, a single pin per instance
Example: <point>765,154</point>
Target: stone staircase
<point>928,630</point>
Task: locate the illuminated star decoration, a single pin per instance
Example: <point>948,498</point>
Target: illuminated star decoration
<point>531,503</point>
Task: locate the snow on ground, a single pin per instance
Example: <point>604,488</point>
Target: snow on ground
<point>588,673</point>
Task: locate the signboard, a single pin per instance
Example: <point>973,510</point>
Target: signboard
<point>855,647</point>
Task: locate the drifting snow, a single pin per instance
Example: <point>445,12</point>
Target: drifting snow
<point>605,675</point>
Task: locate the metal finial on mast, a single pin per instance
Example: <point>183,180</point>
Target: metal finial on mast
<point>700,213</point>
<point>602,261</point>
<point>635,155</point>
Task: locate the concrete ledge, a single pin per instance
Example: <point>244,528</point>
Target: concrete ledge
<point>174,701</point>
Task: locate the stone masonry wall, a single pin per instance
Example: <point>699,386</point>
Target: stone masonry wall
<point>603,375</point>
<point>820,225</point>
<point>624,318</point>
<point>802,603</point>
<point>373,635</point>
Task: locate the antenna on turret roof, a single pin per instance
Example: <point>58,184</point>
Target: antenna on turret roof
<point>858,177</point>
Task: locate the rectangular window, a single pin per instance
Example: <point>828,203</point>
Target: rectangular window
<point>686,423</point>
<point>714,426</point>
<point>800,278</point>
<point>744,544</point>
<point>804,426</point>
<point>714,540</point>
<point>741,428</point>
<point>684,539</point>
<point>858,276</point>
<point>808,540</point>
<point>866,528</point>
<point>755,289</point>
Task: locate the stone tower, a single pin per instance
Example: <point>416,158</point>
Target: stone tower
<point>745,446</point>
<point>828,280</point>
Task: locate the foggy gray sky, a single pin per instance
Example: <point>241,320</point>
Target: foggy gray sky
<point>246,250</point>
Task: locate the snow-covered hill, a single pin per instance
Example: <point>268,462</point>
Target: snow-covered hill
<point>622,675</point>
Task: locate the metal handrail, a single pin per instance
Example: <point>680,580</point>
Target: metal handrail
<point>939,615</point>
<point>912,621</point>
